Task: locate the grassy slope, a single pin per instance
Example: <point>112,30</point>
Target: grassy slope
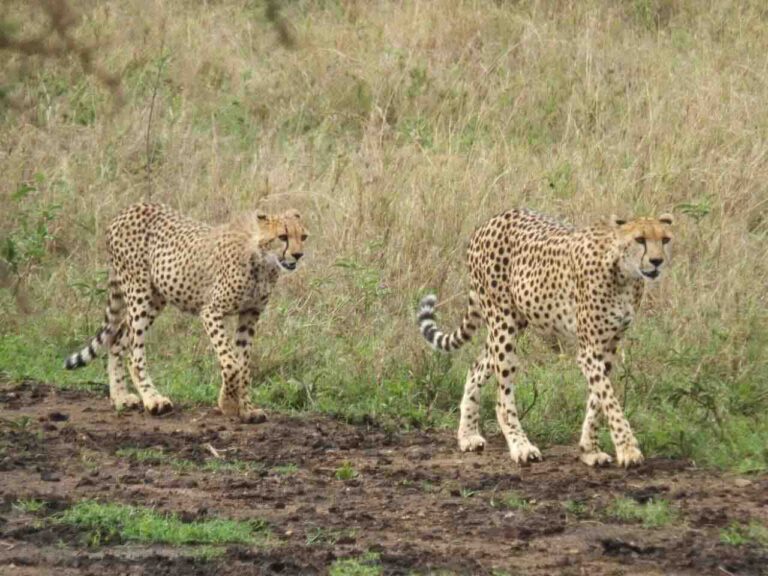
<point>397,128</point>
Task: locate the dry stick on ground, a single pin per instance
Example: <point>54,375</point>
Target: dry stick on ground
<point>150,148</point>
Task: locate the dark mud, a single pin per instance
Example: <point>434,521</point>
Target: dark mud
<point>417,502</point>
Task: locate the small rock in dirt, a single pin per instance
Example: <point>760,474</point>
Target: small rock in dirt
<point>84,481</point>
<point>48,427</point>
<point>646,493</point>
<point>58,417</point>
<point>49,476</point>
<point>129,479</point>
<point>742,482</point>
<point>187,516</point>
<point>346,540</point>
<point>617,547</point>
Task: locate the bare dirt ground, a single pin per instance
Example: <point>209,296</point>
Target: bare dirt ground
<point>417,502</point>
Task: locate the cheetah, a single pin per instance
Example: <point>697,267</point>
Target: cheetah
<point>578,286</point>
<point>159,256</point>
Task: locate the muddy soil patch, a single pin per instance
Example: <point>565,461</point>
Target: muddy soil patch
<point>328,491</point>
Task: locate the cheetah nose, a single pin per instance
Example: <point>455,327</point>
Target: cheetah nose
<point>297,255</point>
<point>656,261</point>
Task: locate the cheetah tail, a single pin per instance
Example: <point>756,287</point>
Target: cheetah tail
<point>87,354</point>
<point>447,342</point>
<point>112,327</point>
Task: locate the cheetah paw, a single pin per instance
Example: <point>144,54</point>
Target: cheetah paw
<point>627,456</point>
<point>253,416</point>
<point>157,405</point>
<point>471,443</point>
<point>522,453</point>
<point>230,408</point>
<point>595,459</point>
<point>126,402</point>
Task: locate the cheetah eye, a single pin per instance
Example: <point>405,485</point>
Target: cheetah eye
<point>303,237</point>
<point>283,237</point>
<point>640,240</point>
<point>665,240</point>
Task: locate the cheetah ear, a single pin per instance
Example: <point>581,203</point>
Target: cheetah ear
<point>616,221</point>
<point>292,213</point>
<point>667,219</point>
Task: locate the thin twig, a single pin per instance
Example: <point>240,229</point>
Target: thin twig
<point>150,148</point>
<point>442,303</point>
<point>212,450</point>
<point>524,413</point>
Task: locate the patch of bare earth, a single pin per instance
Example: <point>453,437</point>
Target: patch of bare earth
<point>417,501</point>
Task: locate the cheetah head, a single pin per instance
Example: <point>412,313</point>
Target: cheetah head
<point>644,245</point>
<point>284,236</point>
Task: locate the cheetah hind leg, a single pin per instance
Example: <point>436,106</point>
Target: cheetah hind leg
<point>142,312</point>
<point>470,439</point>
<point>119,395</point>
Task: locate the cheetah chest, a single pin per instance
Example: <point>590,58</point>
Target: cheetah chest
<point>262,278</point>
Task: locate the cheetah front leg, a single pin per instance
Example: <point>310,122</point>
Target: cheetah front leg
<point>243,344</point>
<point>601,396</point>
<point>470,439</point>
<point>591,455</point>
<point>233,395</point>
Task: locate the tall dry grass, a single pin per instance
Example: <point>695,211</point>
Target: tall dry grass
<point>397,127</point>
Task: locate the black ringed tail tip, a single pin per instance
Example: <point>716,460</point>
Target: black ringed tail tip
<point>438,339</point>
<point>74,362</point>
<point>91,351</point>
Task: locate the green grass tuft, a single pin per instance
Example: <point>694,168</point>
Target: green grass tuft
<point>738,534</point>
<point>652,514</point>
<point>510,501</point>
<point>106,523</point>
<point>576,508</point>
<point>158,457</point>
<point>346,472</point>
<point>285,469</point>
<point>30,506</point>
<point>367,565</point>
